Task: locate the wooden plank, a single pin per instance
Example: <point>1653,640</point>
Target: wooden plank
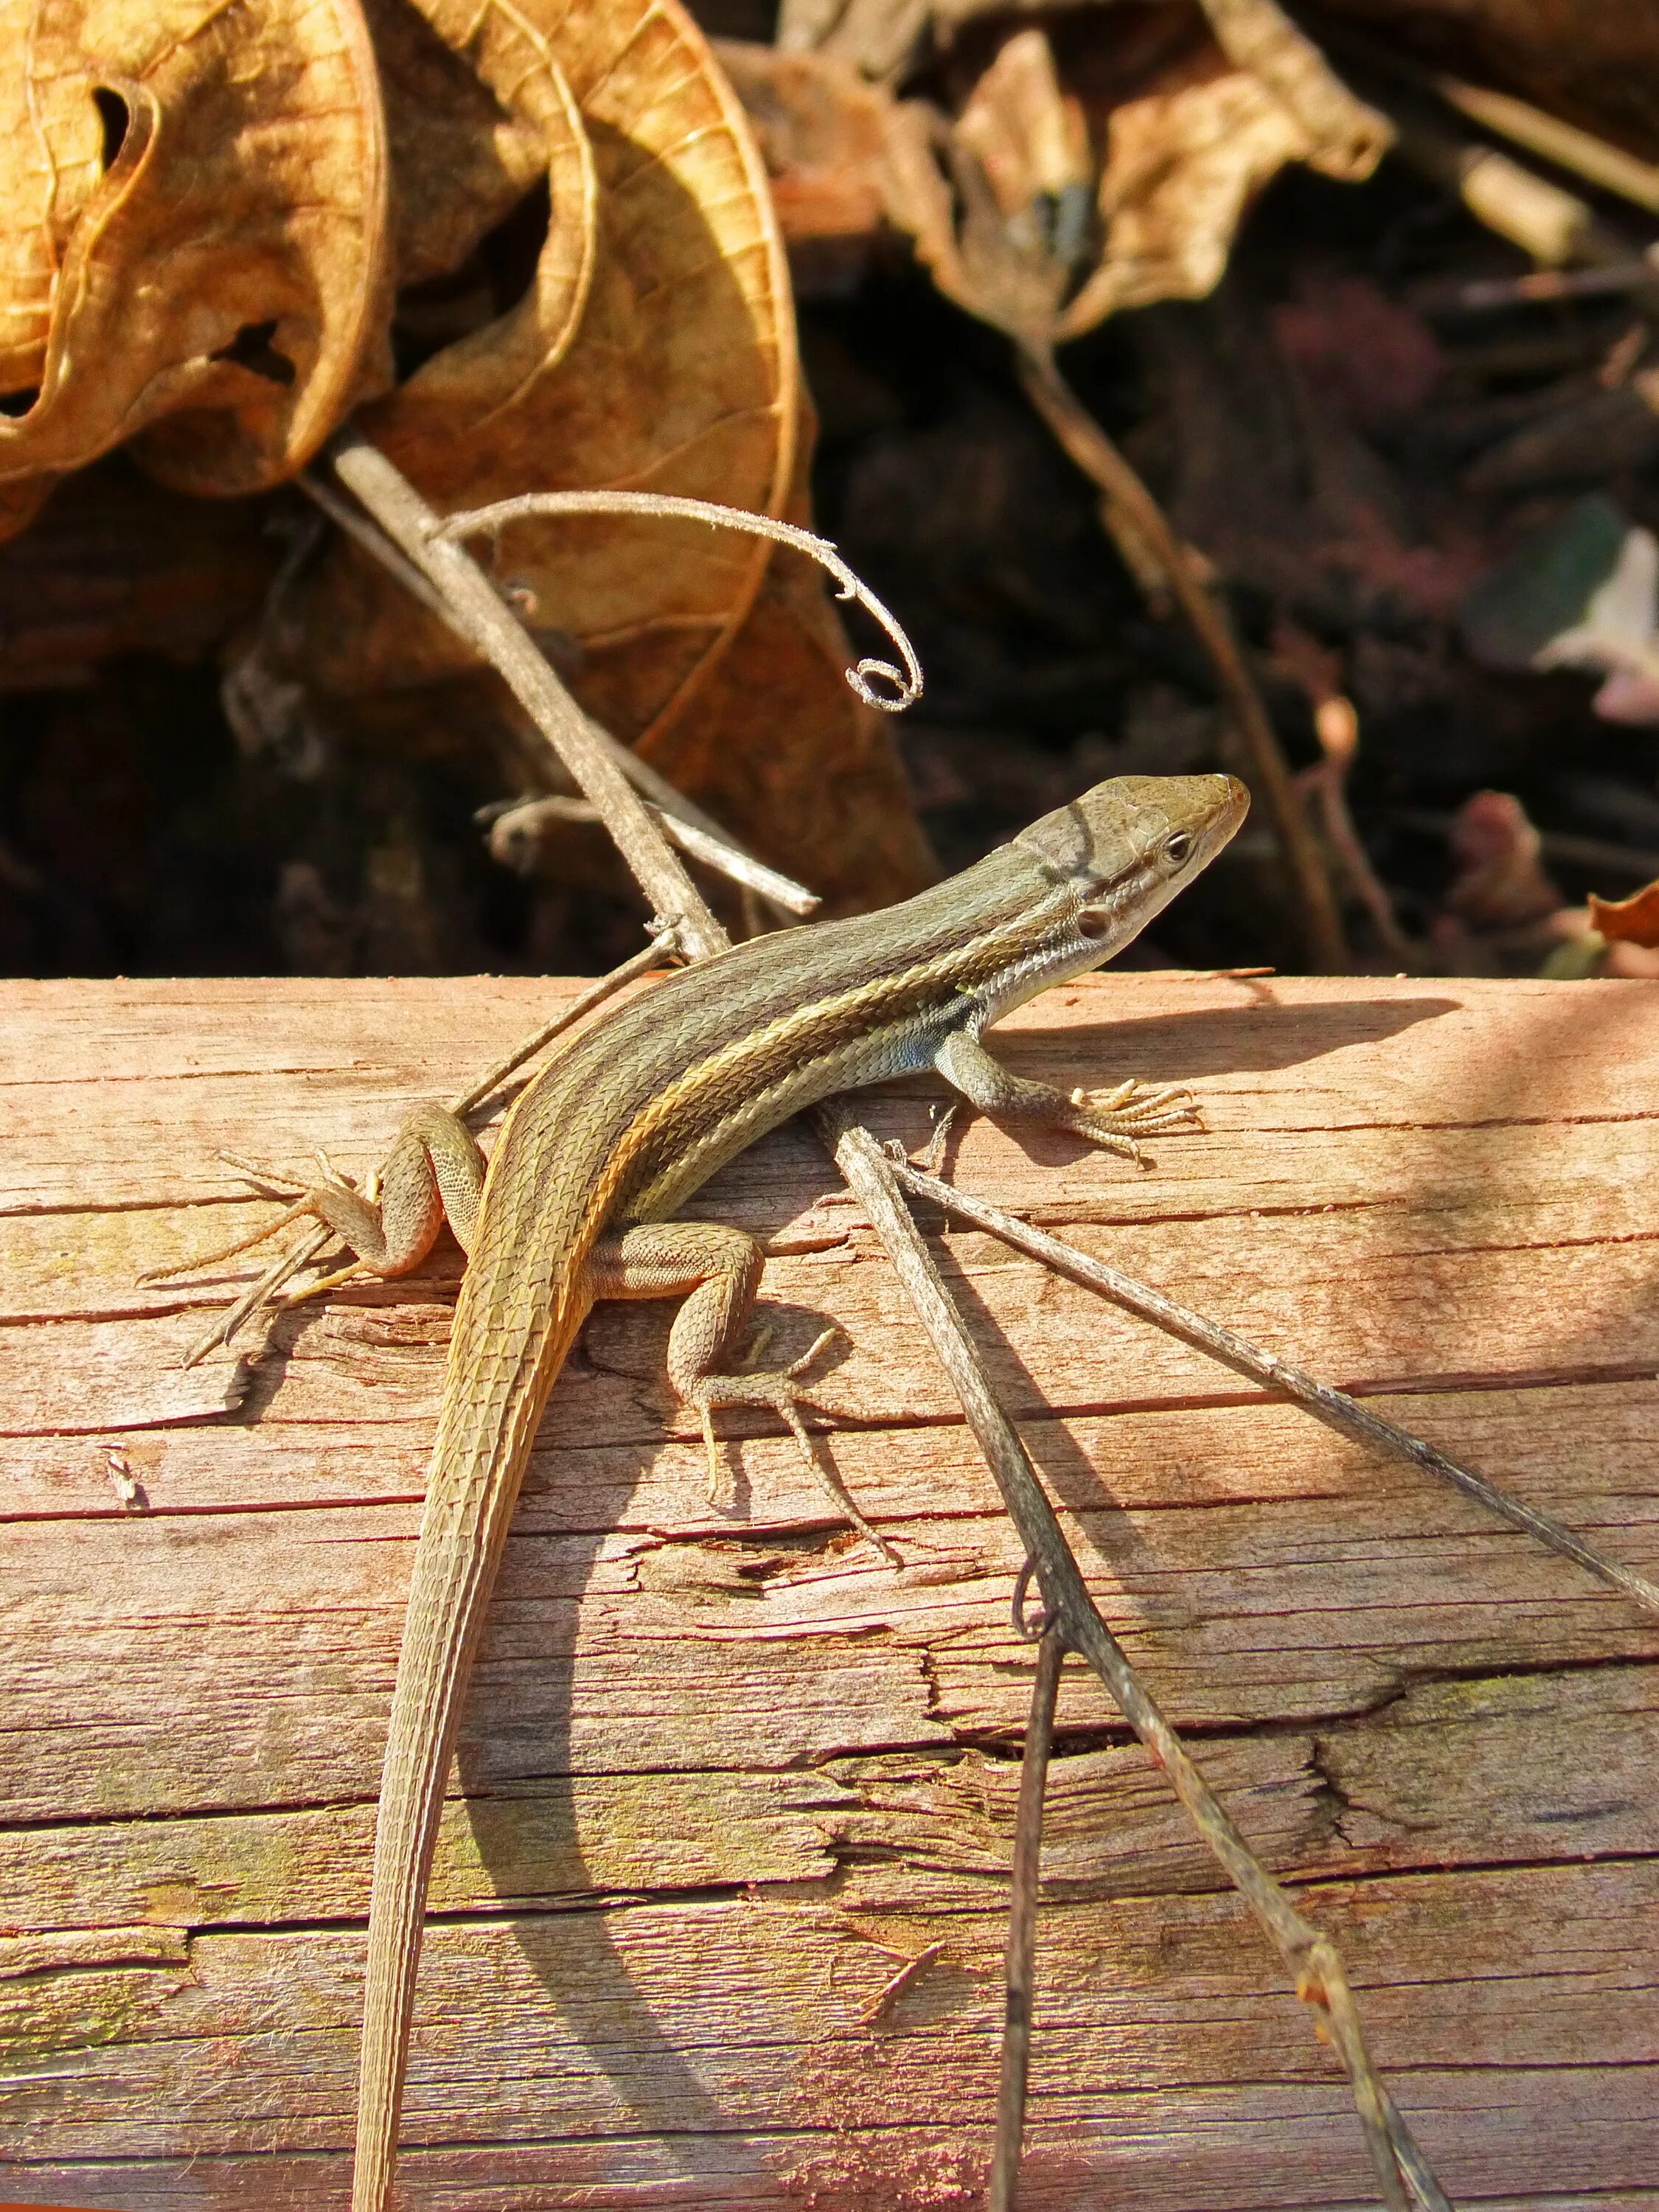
<point>723,1770</point>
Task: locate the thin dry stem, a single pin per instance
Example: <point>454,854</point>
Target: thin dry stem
<point>1089,448</point>
<point>1233,1350</point>
<point>285,1265</point>
<point>703,837</point>
<point>665,937</point>
<point>527,817</point>
<point>1020,1973</point>
<point>1608,167</point>
<point>891,1990</point>
<point>1311,1958</point>
<point>906,683</point>
<point>499,637</point>
<point>1481,293</point>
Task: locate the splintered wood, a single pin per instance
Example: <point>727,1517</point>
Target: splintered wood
<point>723,1773</point>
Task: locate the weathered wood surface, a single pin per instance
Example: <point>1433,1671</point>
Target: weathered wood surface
<point>723,1774</point>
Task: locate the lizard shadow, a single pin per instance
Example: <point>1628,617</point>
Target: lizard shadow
<point>1258,1038</point>
<point>535,1772</point>
<point>1075,1484</point>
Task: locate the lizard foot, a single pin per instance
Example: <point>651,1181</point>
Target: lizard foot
<point>778,1388</point>
<point>308,1198</point>
<point>1124,1114</point>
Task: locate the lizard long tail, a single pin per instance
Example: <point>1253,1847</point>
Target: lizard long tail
<point>477,1463</point>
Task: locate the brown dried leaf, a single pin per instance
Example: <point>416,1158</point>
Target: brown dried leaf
<point>1345,137</point>
<point>1634,921</point>
<point>116,565</point>
<point>680,377</point>
<point>1002,236</point>
<point>1182,164</point>
<point>823,134</point>
<point>510,56</point>
<point>461,159</point>
<point>1182,160</point>
<point>1501,883</point>
<point>878,38</point>
<point>194,223</point>
<point>49,160</point>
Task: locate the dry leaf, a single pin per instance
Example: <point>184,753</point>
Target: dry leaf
<point>993,200</point>
<point>457,393</point>
<point>823,134</point>
<point>1634,921</point>
<point>461,158</point>
<point>1181,166</point>
<point>878,38</point>
<point>194,223</point>
<point>1003,235</point>
<point>1501,880</point>
<point>117,564</point>
<point>680,377</point>
<point>1345,137</point>
<point>51,156</point>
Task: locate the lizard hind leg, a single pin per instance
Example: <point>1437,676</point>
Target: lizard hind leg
<point>434,1169</point>
<point>718,1269</point>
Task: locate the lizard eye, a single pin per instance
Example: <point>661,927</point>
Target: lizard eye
<point>1177,847</point>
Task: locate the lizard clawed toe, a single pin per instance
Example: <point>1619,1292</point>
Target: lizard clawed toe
<point>777,1387</point>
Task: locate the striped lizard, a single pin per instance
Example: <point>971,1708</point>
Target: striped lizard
<point>608,1141</point>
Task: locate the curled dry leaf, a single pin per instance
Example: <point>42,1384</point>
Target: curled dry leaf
<point>461,160</point>
<point>1345,137</point>
<point>1183,162</point>
<point>194,203</point>
<point>998,199</point>
<point>678,374</point>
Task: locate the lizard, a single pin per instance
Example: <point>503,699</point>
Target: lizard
<point>603,1146</point>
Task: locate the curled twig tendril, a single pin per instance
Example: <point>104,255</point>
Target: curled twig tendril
<point>864,676</point>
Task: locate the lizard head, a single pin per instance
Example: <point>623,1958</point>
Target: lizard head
<point>1127,846</point>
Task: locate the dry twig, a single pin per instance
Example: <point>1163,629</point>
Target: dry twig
<point>1089,448</point>
<point>1336,1406</point>
<point>906,683</point>
<point>1020,1970</point>
<point>1070,1613</point>
<point>1608,167</point>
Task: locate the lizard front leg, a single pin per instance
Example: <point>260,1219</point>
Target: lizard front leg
<point>717,1271</point>
<point>433,1172</point>
<point>1114,1122</point>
